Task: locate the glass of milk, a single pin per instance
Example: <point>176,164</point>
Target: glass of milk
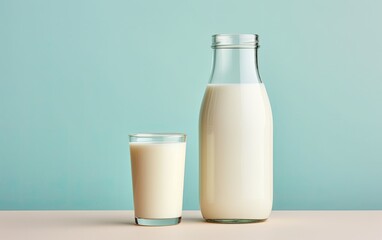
<point>157,166</point>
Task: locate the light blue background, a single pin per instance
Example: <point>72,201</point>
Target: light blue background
<point>76,77</point>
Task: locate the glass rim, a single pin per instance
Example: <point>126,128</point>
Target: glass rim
<point>157,137</point>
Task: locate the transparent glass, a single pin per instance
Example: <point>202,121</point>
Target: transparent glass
<point>157,166</point>
<point>235,58</point>
<point>158,137</point>
<point>235,136</point>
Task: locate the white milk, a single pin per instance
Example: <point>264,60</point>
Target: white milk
<point>236,178</point>
<point>158,175</point>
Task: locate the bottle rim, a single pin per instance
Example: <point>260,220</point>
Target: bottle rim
<point>234,41</point>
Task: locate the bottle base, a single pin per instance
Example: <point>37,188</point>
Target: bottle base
<point>235,221</point>
<point>157,222</point>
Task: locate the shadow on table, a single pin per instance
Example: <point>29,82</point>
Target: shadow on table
<point>116,220</point>
<point>193,220</point>
<point>102,222</point>
<point>131,222</point>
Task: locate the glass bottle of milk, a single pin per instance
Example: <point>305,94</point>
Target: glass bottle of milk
<point>236,135</point>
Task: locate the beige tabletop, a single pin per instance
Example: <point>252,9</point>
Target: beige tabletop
<point>109,225</point>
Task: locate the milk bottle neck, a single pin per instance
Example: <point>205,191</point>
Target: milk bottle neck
<point>235,59</point>
<point>235,66</point>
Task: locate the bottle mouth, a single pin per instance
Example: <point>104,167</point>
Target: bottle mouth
<point>232,41</point>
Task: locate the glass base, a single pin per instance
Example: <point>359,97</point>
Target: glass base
<point>157,221</point>
<point>235,221</point>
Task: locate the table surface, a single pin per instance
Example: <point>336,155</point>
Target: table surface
<point>109,225</point>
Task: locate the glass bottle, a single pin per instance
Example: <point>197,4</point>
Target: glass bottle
<point>235,135</point>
